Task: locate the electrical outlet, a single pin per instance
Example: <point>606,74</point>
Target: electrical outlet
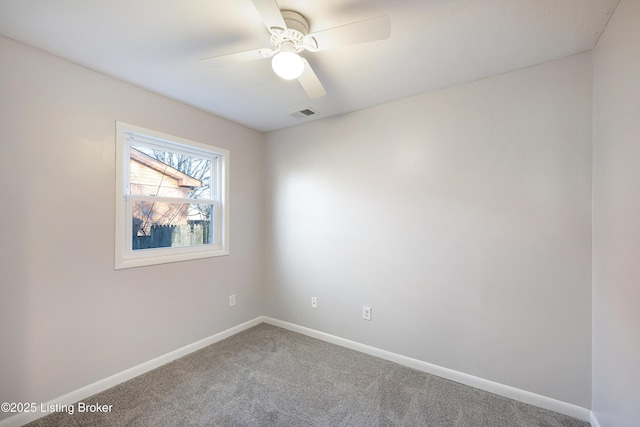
<point>232,300</point>
<point>314,302</point>
<point>366,313</point>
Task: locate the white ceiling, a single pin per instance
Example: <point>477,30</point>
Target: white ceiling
<point>156,44</point>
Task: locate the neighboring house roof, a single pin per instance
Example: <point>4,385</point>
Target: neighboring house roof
<point>183,179</point>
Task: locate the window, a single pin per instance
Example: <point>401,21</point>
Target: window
<point>171,198</point>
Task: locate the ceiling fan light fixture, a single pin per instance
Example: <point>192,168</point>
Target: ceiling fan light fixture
<point>288,65</point>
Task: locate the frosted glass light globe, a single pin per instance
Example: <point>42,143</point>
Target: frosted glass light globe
<point>287,65</point>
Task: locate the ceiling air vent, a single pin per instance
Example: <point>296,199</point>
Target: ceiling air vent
<point>305,112</point>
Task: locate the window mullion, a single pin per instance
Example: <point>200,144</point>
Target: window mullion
<point>169,199</point>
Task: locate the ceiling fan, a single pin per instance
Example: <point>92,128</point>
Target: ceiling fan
<point>290,36</point>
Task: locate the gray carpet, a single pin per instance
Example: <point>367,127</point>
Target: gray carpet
<point>268,376</point>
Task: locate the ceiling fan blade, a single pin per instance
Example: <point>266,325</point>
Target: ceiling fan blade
<point>310,82</point>
<point>234,58</point>
<point>358,32</point>
<point>270,13</point>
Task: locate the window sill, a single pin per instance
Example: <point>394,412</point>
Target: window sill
<point>167,258</point>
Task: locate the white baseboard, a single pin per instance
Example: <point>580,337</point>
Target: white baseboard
<point>91,389</point>
<point>470,380</point>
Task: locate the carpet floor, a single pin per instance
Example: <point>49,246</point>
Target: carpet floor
<point>268,376</point>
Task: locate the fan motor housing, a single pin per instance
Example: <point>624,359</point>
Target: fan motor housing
<point>296,22</point>
<point>295,36</point>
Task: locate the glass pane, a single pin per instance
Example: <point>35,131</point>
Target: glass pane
<point>163,225</point>
<point>156,172</point>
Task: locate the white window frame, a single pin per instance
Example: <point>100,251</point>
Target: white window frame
<point>125,256</point>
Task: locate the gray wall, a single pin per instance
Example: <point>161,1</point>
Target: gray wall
<point>616,221</point>
<point>463,217</point>
<point>67,319</point>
